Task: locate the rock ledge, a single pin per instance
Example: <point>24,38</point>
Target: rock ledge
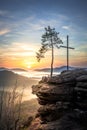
<point>63,101</point>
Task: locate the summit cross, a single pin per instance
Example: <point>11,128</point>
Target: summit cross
<point>67,47</point>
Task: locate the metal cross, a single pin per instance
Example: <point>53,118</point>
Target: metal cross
<point>67,47</point>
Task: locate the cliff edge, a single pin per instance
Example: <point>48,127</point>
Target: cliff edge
<point>63,100</point>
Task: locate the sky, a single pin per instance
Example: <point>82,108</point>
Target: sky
<point>22,24</point>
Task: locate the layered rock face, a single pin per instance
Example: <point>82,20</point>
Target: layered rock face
<point>63,101</point>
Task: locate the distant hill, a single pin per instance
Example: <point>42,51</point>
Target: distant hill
<point>9,78</point>
<point>58,69</point>
<point>62,68</point>
<point>3,68</point>
<point>12,69</point>
<point>18,69</point>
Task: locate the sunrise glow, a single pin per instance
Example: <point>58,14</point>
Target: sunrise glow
<point>21,30</point>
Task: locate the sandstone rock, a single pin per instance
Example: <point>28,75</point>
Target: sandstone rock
<point>64,101</point>
<point>65,123</point>
<point>67,76</point>
<point>60,79</point>
<point>52,112</point>
<point>35,88</point>
<point>81,78</point>
<point>79,89</point>
<point>52,93</point>
<point>82,85</point>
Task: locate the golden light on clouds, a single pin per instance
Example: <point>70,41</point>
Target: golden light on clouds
<point>29,63</point>
<point>23,55</point>
<point>4,31</point>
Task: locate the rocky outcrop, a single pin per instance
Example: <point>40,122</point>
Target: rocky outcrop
<point>63,101</point>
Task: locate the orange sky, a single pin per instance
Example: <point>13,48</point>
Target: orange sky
<point>24,56</point>
<point>22,24</point>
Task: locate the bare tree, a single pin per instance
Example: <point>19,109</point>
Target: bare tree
<point>50,39</point>
<point>10,108</point>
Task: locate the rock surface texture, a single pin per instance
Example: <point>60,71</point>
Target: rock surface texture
<point>63,101</point>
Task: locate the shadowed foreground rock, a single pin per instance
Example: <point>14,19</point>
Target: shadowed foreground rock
<point>63,101</point>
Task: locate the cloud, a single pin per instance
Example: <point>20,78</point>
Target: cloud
<point>54,20</point>
<point>32,23</point>
<point>18,50</point>
<point>4,31</point>
<point>66,27</point>
<point>3,12</point>
<point>6,14</point>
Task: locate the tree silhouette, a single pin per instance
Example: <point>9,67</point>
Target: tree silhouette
<point>50,40</point>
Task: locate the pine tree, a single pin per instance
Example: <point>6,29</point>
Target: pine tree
<point>50,40</point>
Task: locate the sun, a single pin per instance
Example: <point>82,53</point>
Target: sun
<point>29,66</point>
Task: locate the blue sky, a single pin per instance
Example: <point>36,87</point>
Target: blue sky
<point>22,23</point>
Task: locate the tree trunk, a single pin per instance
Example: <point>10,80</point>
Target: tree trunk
<point>52,60</point>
